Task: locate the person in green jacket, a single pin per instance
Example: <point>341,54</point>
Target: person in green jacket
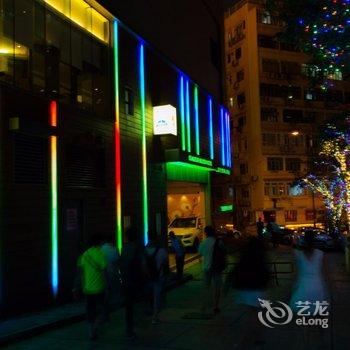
<point>91,278</point>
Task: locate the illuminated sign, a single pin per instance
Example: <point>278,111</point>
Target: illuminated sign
<point>200,160</point>
<point>226,208</point>
<point>223,171</point>
<point>164,120</point>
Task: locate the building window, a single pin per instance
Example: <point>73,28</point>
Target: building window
<point>275,189</point>
<point>241,99</point>
<point>274,163</point>
<point>309,215</point>
<point>240,75</point>
<point>291,215</point>
<point>271,139</point>
<point>293,115</point>
<point>245,193</point>
<point>268,114</point>
<point>293,164</point>
<point>238,53</point>
<point>270,66</point>
<point>129,101</point>
<point>266,17</point>
<point>243,168</point>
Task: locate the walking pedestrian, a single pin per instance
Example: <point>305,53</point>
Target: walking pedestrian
<point>157,263</point>
<point>212,252</point>
<point>179,254</point>
<point>112,257</point>
<point>250,279</point>
<point>260,228</point>
<point>92,279</point>
<point>132,273</point>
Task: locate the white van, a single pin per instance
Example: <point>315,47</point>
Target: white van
<point>189,230</point>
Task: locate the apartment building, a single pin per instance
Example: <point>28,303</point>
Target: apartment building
<point>275,116</point>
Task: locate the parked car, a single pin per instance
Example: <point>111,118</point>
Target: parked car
<point>188,230</point>
<point>284,235</point>
<point>321,240</point>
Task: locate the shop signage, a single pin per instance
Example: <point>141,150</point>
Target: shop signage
<point>226,208</point>
<point>164,120</point>
<point>199,160</point>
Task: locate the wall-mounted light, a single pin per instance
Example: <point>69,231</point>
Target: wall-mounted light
<point>164,120</point>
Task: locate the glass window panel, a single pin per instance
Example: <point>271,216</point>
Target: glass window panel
<point>77,49</point>
<point>38,71</point>
<point>24,22</point>
<point>81,14</point>
<point>65,82</point>
<point>99,26</point>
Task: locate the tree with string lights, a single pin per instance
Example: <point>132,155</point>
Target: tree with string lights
<point>319,28</point>
<point>333,181</point>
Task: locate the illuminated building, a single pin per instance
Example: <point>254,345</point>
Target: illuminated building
<point>97,128</point>
<point>275,117</point>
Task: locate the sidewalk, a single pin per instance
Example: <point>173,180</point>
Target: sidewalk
<point>36,323</point>
<point>220,332</point>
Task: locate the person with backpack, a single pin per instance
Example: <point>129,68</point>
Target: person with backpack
<point>92,280</point>
<point>157,263</point>
<point>213,261</point>
<point>132,268</point>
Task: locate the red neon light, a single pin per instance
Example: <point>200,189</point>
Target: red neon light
<point>53,113</point>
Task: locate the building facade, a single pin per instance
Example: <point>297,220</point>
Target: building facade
<point>275,118</point>
<point>97,130</point>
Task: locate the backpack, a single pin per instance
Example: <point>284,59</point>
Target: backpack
<point>219,257</point>
<point>151,262</point>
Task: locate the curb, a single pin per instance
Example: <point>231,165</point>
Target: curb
<point>39,329</point>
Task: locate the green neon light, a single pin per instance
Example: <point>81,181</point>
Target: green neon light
<point>188,116</point>
<point>199,160</point>
<point>196,119</point>
<point>223,171</point>
<point>226,208</point>
<point>144,143</point>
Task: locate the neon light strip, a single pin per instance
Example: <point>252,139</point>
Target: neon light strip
<point>54,209</point>
<point>203,161</point>
<point>144,144</point>
<point>188,120</point>
<point>117,162</point>
<point>229,140</point>
<point>196,119</point>
<point>223,171</point>
<point>227,128</point>
<point>182,114</point>
<point>222,139</point>
<point>211,138</point>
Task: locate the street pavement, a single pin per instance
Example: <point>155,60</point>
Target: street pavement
<point>183,328</point>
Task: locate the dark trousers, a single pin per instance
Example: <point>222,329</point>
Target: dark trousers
<point>95,304</point>
<point>130,298</point>
<point>179,265</point>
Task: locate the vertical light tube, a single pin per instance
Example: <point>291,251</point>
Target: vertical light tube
<point>196,116</point>
<point>144,143</point>
<point>117,161</point>
<point>211,137</point>
<point>222,137</point>
<point>54,202</point>
<point>188,116</point>
<point>229,140</point>
<point>182,113</point>
<point>226,140</point>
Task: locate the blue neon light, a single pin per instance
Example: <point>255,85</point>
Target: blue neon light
<point>211,138</point>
